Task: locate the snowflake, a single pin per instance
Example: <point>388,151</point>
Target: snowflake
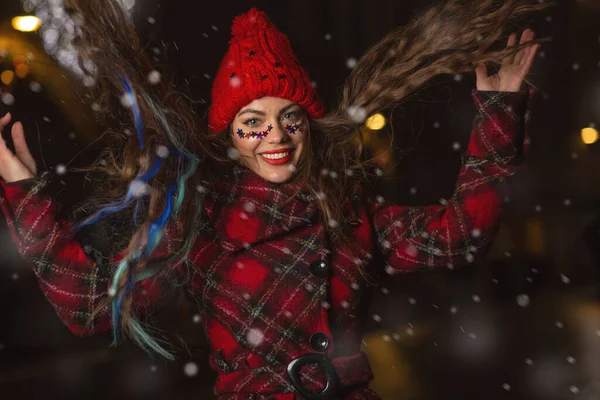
<point>154,77</point>
<point>35,87</point>
<point>523,300</point>
<point>233,153</point>
<point>139,188</point>
<point>8,99</point>
<point>235,82</point>
<point>190,369</point>
<point>255,337</point>
<point>357,114</point>
<point>61,169</point>
<point>351,63</point>
<point>162,151</point>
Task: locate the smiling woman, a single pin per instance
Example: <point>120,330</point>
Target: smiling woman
<point>270,134</point>
<point>280,248</point>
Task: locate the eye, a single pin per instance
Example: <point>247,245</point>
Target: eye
<point>292,115</point>
<point>252,122</point>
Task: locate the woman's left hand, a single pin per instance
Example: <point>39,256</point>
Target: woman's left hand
<point>514,67</point>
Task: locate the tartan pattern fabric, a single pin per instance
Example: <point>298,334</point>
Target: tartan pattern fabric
<point>252,266</point>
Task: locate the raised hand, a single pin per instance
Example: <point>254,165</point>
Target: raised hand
<point>514,67</point>
<point>20,164</point>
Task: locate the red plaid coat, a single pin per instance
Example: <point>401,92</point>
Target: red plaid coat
<point>268,284</point>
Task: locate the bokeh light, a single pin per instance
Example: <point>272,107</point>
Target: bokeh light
<point>375,122</point>
<point>7,77</point>
<point>27,23</point>
<point>589,135</point>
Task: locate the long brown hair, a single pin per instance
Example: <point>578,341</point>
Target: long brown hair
<point>452,37</point>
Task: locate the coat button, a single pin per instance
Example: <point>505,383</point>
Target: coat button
<point>319,341</point>
<point>319,269</point>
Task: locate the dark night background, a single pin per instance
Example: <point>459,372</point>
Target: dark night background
<point>522,324</point>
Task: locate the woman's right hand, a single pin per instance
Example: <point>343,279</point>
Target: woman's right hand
<point>20,164</point>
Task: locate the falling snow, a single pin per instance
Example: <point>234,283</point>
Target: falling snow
<point>162,151</point>
<point>35,87</point>
<point>8,99</point>
<point>357,114</point>
<point>255,337</point>
<point>523,300</point>
<point>190,369</point>
<point>351,63</point>
<point>233,153</point>
<point>139,188</point>
<point>154,77</point>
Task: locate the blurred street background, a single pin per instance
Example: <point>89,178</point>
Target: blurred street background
<point>522,324</point>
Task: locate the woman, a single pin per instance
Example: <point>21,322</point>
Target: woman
<point>280,247</point>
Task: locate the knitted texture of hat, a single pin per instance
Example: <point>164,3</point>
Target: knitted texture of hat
<point>260,63</point>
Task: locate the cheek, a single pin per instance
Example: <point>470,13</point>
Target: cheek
<point>245,146</point>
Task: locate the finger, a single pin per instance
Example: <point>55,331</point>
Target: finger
<point>21,150</point>
<point>527,36</point>
<point>481,73</point>
<point>528,63</point>
<point>512,40</point>
<point>4,121</point>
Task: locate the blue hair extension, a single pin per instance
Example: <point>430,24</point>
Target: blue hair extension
<point>137,117</point>
<point>112,209</point>
<point>141,253</point>
<point>156,229</point>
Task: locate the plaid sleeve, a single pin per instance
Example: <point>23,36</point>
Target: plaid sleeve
<point>461,229</point>
<point>72,282</point>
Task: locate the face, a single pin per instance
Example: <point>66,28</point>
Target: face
<point>269,134</point>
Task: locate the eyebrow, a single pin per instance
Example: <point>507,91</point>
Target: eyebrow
<point>252,111</point>
<point>249,110</point>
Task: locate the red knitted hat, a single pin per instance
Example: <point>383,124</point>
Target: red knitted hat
<point>260,62</point>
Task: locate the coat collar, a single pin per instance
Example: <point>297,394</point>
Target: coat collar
<point>252,210</point>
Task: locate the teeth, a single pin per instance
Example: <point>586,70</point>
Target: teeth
<point>276,156</point>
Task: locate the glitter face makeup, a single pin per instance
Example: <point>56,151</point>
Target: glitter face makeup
<point>293,128</point>
<point>258,135</point>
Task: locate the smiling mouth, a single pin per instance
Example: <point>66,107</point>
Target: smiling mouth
<point>278,158</point>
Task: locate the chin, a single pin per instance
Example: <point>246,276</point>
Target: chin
<point>277,177</point>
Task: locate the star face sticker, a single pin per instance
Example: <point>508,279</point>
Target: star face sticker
<point>293,128</point>
<point>251,53</point>
<point>277,64</point>
<point>253,134</point>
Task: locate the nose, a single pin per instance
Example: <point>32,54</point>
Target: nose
<point>277,134</point>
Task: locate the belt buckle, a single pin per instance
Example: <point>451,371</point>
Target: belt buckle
<point>325,364</point>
